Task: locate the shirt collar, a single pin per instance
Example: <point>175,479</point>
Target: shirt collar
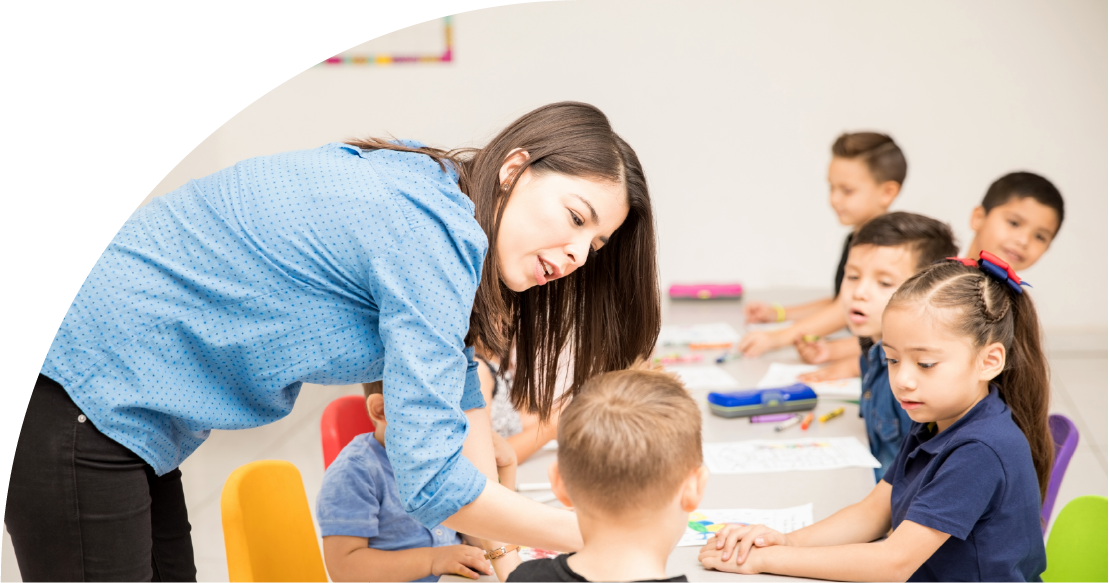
<point>923,432</point>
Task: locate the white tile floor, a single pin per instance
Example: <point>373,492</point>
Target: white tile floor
<point>1079,377</point>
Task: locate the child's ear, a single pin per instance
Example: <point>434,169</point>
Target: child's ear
<point>978,215</point>
<point>375,405</point>
<point>888,191</point>
<point>558,488</point>
<point>992,359</point>
<point>694,488</point>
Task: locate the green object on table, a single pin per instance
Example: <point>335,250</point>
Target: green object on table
<point>1076,546</point>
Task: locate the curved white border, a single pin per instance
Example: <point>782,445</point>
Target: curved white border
<point>102,100</point>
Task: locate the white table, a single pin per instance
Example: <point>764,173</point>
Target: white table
<point>828,490</point>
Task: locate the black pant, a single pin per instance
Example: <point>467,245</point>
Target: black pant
<point>82,507</point>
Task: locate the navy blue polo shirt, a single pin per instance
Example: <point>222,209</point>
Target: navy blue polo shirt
<point>974,481</point>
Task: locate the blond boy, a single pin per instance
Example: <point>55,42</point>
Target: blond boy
<point>630,465</point>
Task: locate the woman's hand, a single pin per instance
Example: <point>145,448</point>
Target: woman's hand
<point>463,560</point>
<point>759,313</point>
<point>815,352</point>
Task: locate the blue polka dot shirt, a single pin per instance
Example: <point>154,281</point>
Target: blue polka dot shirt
<point>214,303</point>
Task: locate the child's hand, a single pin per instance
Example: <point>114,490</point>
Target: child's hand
<point>759,312</point>
<point>840,369</point>
<point>735,540</point>
<point>462,560</point>
<point>814,352</point>
<point>756,343</point>
<point>711,559</point>
<point>503,453</point>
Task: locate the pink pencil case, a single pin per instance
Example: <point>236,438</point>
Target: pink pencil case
<point>707,291</point>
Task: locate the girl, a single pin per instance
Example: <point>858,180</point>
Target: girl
<point>964,494</point>
<point>350,263</point>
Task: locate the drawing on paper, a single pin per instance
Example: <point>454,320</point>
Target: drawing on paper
<point>703,524</point>
<point>765,455</point>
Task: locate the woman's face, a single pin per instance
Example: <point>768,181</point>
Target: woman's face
<point>553,223</point>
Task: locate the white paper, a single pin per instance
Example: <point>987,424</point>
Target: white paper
<point>783,455</point>
<point>718,333</point>
<point>705,523</point>
<point>783,375</point>
<point>703,377</point>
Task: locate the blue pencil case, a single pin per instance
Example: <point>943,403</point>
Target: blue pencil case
<point>796,397</point>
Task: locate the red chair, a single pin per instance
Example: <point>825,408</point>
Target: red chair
<point>343,420</point>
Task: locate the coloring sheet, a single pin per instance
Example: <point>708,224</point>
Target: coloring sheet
<point>774,455</point>
<point>718,333</point>
<point>703,377</point>
<point>705,523</point>
<point>782,375</point>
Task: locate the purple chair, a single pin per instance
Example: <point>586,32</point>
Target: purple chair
<point>1065,437</point>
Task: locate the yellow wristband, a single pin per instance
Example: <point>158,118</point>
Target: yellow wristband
<point>780,312</point>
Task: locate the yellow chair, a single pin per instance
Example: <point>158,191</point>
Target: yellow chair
<point>268,532</point>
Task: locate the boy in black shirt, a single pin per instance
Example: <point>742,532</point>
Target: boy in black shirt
<point>630,465</point>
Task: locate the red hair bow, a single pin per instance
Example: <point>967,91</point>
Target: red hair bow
<point>991,265</point>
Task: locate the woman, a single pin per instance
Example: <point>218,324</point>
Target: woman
<point>349,263</point>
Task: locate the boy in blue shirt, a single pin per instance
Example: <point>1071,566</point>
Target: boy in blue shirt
<point>884,253</point>
<point>367,534</point>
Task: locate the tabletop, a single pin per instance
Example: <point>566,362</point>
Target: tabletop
<point>828,490</point>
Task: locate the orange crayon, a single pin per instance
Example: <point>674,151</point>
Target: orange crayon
<point>807,421</point>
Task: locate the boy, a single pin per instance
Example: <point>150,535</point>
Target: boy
<point>865,175</point>
<point>630,465</point>
<point>1017,220</point>
<point>884,254</point>
<point>367,534</point>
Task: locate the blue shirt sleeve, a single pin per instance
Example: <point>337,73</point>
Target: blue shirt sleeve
<point>424,288</point>
<point>967,487</point>
<point>348,504</point>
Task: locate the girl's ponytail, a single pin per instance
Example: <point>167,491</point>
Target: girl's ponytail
<point>994,308</point>
<point>1025,383</point>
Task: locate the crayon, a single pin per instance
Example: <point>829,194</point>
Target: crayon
<point>807,421</point>
<point>728,357</point>
<point>788,424</point>
<point>709,345</point>
<point>832,414</point>
<point>811,338</point>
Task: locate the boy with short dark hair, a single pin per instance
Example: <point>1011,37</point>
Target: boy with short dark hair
<point>1019,217</point>
<point>885,253</point>
<point>630,464</point>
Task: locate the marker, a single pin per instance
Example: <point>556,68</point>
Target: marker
<point>811,338</point>
<point>807,421</point>
<point>773,418</point>
<point>728,357</point>
<point>831,414</point>
<point>788,424</point>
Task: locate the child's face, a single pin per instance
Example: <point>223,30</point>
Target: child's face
<point>1018,232</point>
<point>936,375</point>
<point>871,276</point>
<point>854,194</point>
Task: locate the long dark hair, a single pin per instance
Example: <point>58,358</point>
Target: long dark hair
<point>607,312</point>
<point>988,311</point>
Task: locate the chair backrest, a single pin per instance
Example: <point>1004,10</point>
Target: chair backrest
<point>344,418</point>
<point>1076,546</point>
<point>1065,438</point>
<point>268,531</point>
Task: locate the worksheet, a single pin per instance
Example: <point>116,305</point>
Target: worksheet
<point>717,333</point>
<point>784,455</point>
<point>705,523</point>
<point>703,377</point>
<point>784,375</point>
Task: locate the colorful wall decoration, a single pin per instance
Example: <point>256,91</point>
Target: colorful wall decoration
<point>397,58</point>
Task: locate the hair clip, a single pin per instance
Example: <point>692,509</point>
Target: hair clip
<point>991,265</point>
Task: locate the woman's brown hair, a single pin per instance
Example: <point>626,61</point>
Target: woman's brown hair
<point>607,312</point>
<point>987,311</point>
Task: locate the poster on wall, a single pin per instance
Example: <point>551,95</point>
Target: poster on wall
<point>424,43</point>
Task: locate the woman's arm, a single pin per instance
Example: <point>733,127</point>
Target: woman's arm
<point>503,513</point>
<point>349,559</point>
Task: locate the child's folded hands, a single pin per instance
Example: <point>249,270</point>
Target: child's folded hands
<point>731,548</point>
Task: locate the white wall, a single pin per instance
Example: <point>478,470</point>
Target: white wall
<point>732,107</point>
